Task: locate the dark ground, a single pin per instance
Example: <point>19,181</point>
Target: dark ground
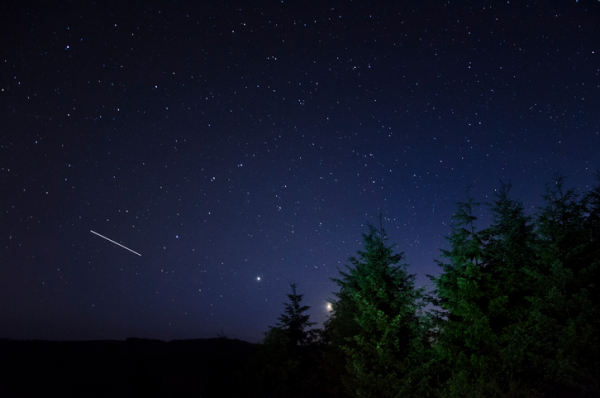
<point>131,368</point>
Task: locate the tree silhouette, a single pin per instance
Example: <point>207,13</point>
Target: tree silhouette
<point>294,321</point>
<point>564,315</point>
<point>284,365</point>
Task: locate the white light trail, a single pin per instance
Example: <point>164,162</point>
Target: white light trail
<point>96,233</point>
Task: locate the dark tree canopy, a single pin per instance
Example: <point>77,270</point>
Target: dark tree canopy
<point>294,321</point>
<point>483,292</point>
<point>517,298</point>
<point>514,312</point>
<point>565,305</point>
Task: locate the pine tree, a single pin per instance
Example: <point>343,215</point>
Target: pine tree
<point>379,296</point>
<point>294,321</point>
<point>565,305</point>
<point>285,362</point>
<point>483,292</point>
<point>458,289</point>
<point>509,259</point>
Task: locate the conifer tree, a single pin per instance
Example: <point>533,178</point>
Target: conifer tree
<point>509,259</point>
<point>458,289</point>
<point>379,311</point>
<point>284,363</point>
<point>483,292</point>
<point>565,305</point>
<point>294,321</point>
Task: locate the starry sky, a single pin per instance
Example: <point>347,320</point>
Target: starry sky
<point>241,146</point>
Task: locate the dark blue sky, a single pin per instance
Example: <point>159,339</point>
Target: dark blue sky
<point>230,142</point>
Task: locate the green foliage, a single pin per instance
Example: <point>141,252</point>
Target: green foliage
<point>376,323</point>
<point>339,331</point>
<point>518,298</point>
<point>516,312</point>
<point>565,305</point>
<point>483,291</point>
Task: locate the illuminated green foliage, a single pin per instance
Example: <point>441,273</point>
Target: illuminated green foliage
<point>379,329</point>
<point>518,298</point>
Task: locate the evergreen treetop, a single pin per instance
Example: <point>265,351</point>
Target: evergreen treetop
<point>378,326</point>
<point>294,321</point>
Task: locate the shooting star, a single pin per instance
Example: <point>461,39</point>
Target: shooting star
<point>96,233</point>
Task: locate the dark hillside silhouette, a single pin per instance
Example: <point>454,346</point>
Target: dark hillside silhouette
<point>131,368</point>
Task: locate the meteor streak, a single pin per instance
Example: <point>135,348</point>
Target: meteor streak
<point>96,233</point>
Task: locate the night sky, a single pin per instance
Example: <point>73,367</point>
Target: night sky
<point>239,148</point>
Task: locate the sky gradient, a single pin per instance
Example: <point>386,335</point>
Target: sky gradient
<point>241,147</point>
